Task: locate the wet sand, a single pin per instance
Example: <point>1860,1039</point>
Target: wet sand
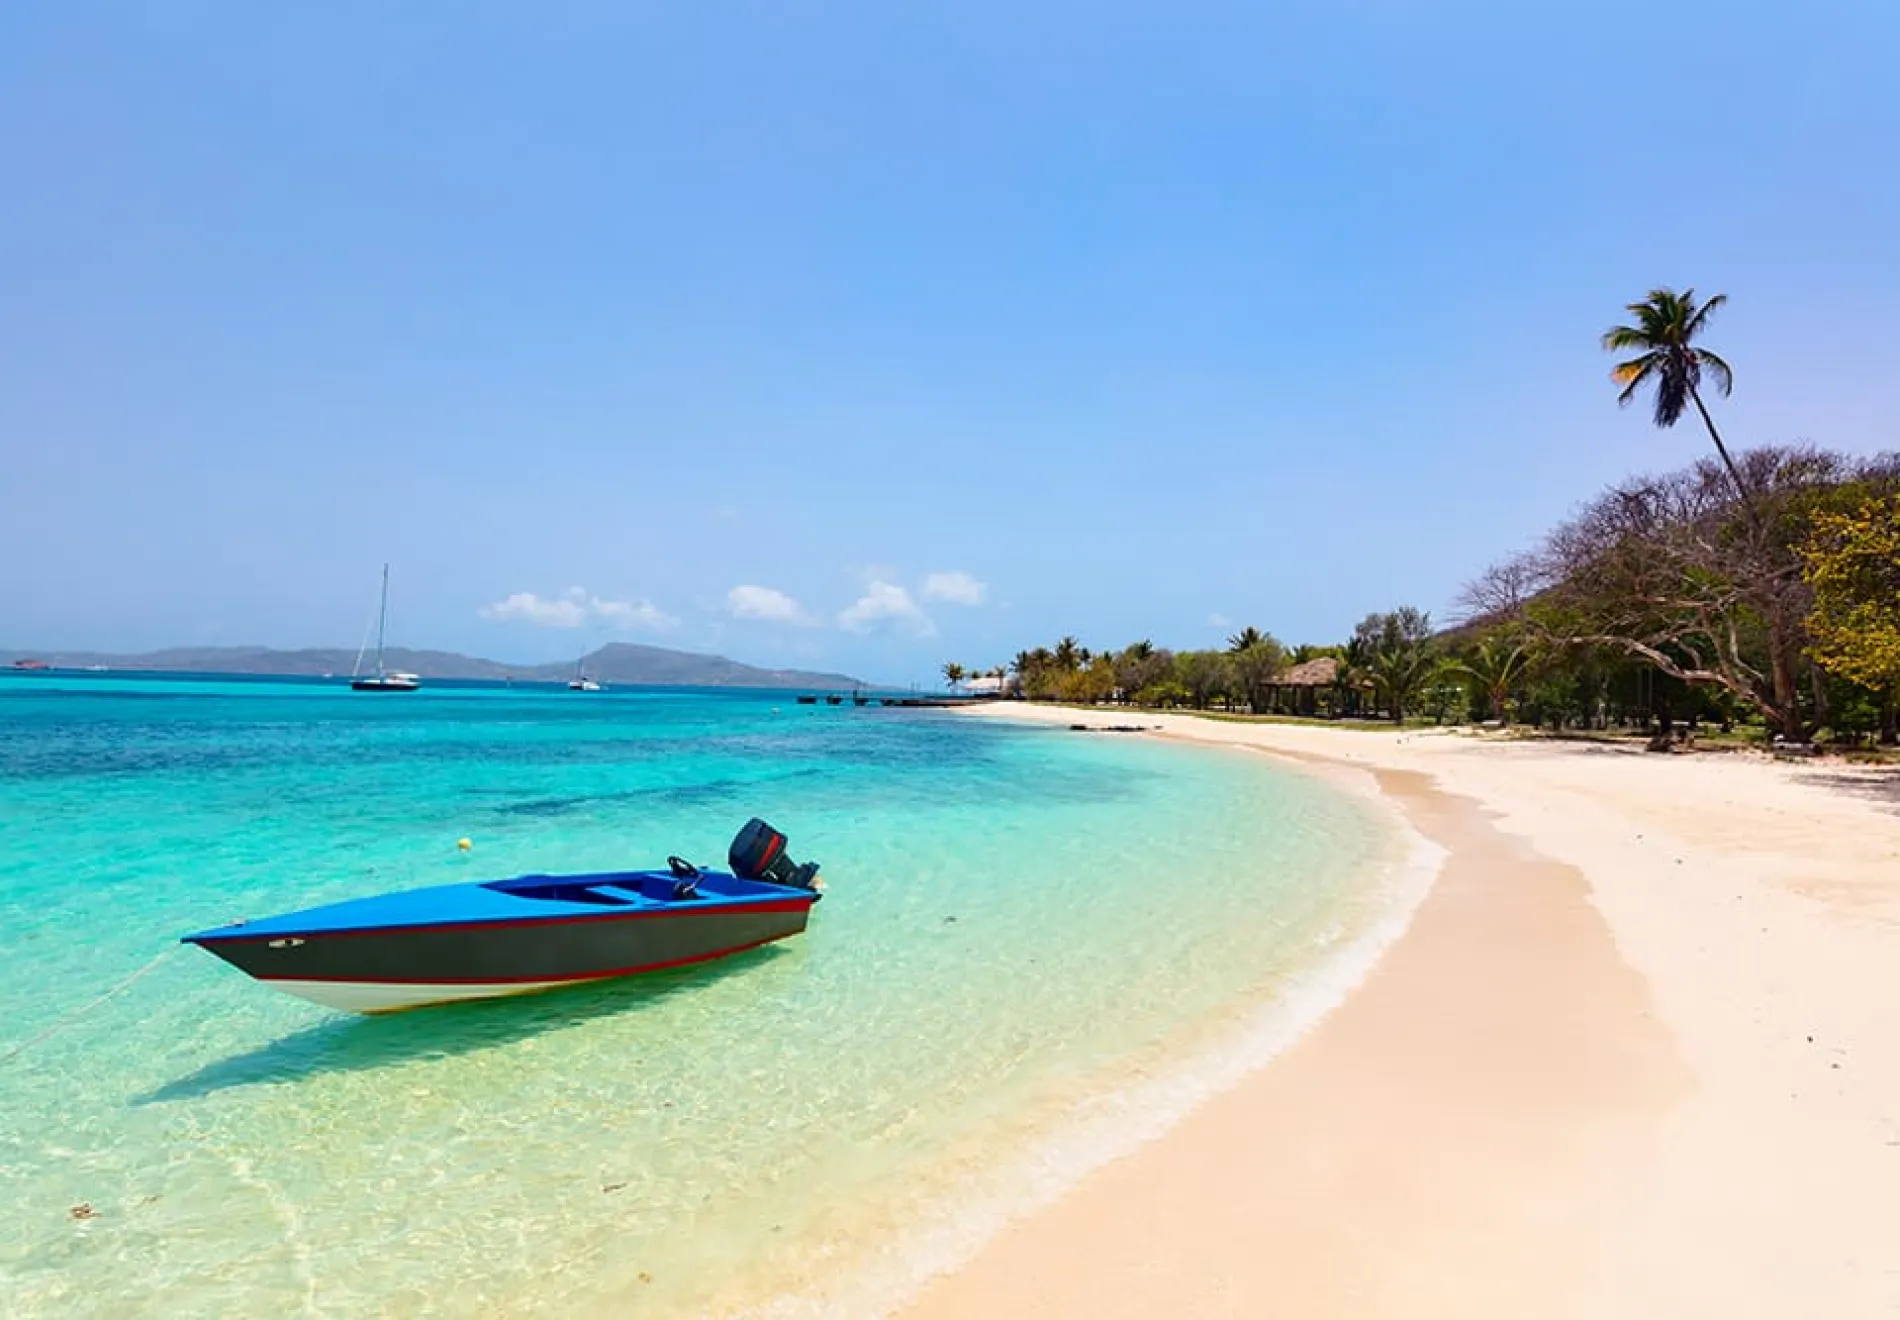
<point>1633,1056</point>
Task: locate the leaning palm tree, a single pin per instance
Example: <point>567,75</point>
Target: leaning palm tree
<point>953,674</point>
<point>1663,339</point>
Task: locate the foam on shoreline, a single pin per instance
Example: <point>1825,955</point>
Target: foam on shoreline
<point>949,1230</point>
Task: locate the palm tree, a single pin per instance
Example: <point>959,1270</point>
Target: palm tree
<point>1249,636</point>
<point>1667,324</point>
<point>1496,666</point>
<point>1400,673</point>
<point>953,674</point>
<point>1350,677</point>
<point>1255,667</point>
<point>1069,654</point>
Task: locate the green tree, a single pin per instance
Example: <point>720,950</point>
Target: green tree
<point>1350,678</point>
<point>1069,655</point>
<point>1024,668</point>
<point>1400,658</point>
<point>1140,666</point>
<point>1035,671</point>
<point>1853,567</point>
<point>1496,665</point>
<point>1254,669</point>
<point>1247,637</point>
<point>1090,682</point>
<point>1203,675</point>
<point>1667,358</point>
<point>953,673</point>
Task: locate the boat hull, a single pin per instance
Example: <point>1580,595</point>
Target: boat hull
<point>393,968</point>
<point>376,997</point>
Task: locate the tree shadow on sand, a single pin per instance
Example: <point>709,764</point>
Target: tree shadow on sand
<point>355,1044</point>
<point>1880,786</point>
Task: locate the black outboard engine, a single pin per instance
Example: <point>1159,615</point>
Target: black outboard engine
<point>758,853</point>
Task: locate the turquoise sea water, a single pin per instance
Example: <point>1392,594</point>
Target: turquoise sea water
<point>1016,919</point>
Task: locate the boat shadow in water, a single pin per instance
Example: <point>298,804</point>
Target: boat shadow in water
<point>356,1044</point>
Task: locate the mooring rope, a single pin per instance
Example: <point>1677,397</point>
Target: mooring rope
<point>59,1024</point>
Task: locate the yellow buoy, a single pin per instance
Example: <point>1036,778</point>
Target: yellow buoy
<point>463,844</point>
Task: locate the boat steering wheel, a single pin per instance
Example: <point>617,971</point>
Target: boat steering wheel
<point>685,876</point>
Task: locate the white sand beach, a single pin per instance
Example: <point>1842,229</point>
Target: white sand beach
<point>1638,1054</point>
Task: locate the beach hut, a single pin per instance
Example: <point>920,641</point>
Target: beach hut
<point>1297,691</point>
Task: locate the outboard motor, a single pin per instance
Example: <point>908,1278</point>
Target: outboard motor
<point>758,853</point>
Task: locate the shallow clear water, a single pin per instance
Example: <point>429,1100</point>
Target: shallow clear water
<point>1015,918</point>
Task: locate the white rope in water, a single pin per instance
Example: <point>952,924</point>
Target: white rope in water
<point>59,1023</point>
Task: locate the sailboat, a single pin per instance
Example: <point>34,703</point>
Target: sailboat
<point>581,682</point>
<point>382,680</point>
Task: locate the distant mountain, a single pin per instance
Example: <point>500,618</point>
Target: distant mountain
<point>617,662</point>
<point>624,662</point>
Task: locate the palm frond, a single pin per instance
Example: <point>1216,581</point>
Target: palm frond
<point>1635,369</point>
<point>1632,374</point>
<point>1701,317</point>
<point>1718,369</point>
<point>1666,325</point>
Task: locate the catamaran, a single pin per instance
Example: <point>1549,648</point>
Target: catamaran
<point>382,680</point>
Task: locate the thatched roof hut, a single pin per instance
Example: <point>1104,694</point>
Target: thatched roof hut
<point>1314,686</point>
<point>1323,672</point>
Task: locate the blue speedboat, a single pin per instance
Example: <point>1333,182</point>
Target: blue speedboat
<point>534,932</point>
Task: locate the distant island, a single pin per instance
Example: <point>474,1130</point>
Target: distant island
<point>617,662</point>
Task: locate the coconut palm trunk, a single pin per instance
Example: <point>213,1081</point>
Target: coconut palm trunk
<point>1668,359</point>
<point>1734,473</point>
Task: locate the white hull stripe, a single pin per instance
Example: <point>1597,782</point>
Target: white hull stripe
<point>392,996</point>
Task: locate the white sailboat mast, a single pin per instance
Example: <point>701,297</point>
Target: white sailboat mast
<point>382,623</point>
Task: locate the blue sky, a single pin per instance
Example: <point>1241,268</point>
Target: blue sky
<point>875,335</point>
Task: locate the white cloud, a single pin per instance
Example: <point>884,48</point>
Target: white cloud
<point>885,603</point>
<point>1218,620</point>
<point>575,608</point>
<point>526,607</point>
<point>956,588</point>
<point>632,615</point>
<point>751,602</point>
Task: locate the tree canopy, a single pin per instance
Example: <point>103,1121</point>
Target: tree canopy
<point>1853,568</point>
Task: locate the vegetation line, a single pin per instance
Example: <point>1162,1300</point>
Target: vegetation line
<point>1759,593</point>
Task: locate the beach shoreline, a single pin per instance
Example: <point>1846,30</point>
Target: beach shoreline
<point>1001,1177</point>
<point>1625,1059</point>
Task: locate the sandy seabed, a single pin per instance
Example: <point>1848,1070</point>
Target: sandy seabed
<point>1637,1054</point>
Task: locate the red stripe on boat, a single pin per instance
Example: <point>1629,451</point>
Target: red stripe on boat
<point>738,909</point>
<point>524,980</point>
